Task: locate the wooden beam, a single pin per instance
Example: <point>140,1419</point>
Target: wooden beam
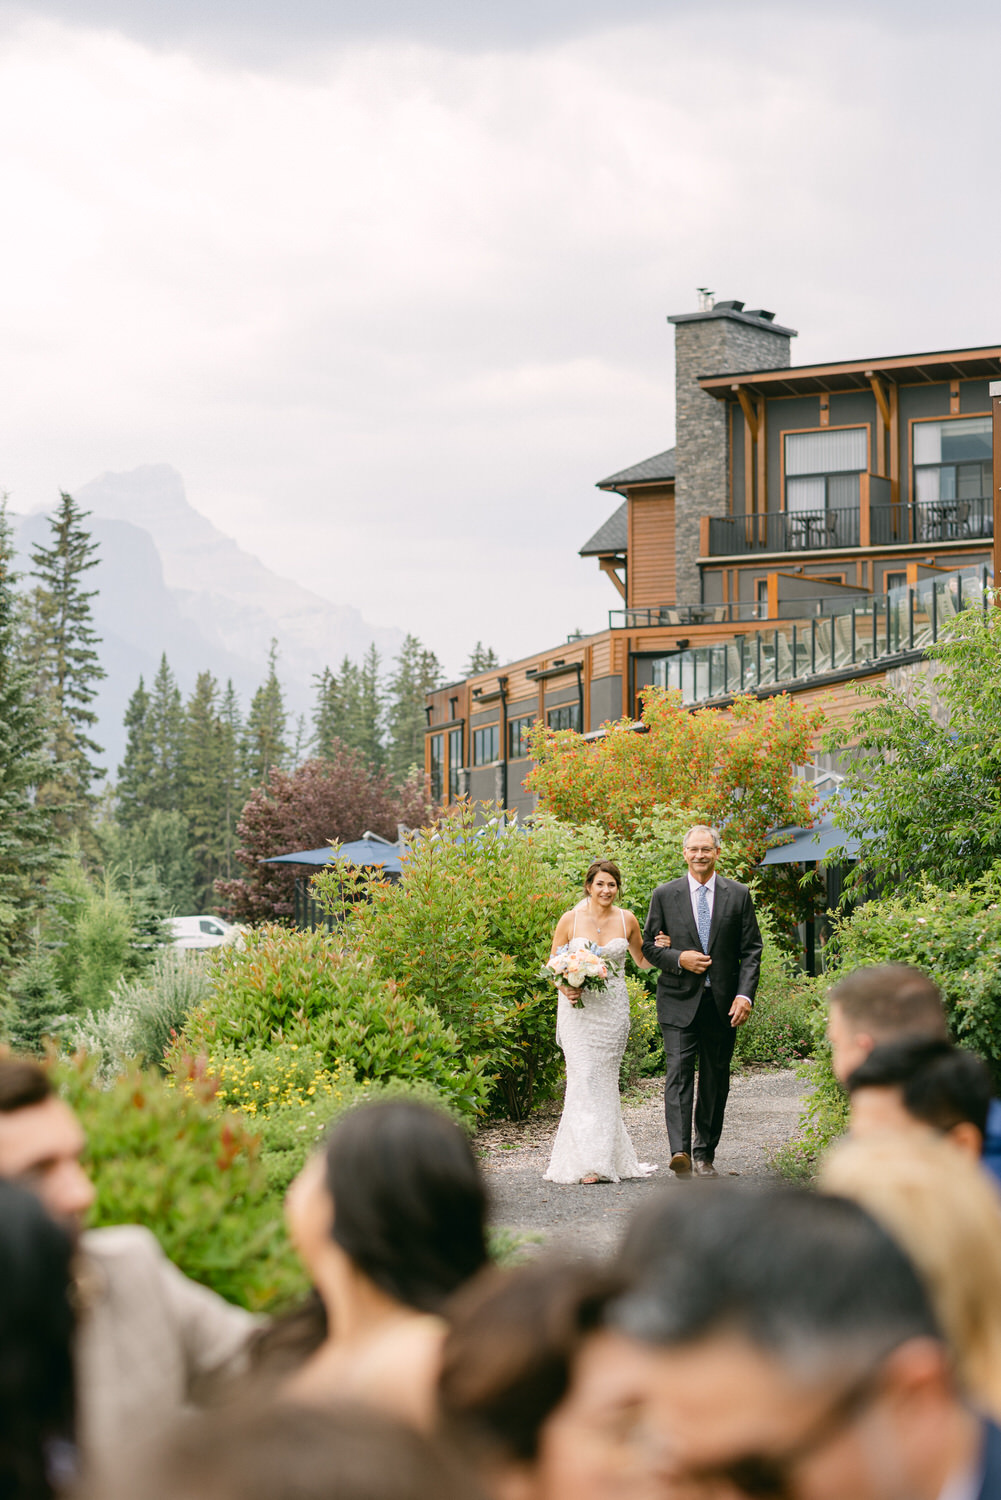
<point>762,447</point>
<point>894,446</point>
<point>703,536</point>
<point>879,392</point>
<point>746,406</point>
<point>608,566</point>
<point>954,398</point>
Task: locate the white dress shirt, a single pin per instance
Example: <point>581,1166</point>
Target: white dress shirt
<point>694,886</point>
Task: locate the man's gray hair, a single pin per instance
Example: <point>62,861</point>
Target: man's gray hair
<point>702,828</point>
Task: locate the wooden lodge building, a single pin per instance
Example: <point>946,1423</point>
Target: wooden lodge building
<point>812,525</point>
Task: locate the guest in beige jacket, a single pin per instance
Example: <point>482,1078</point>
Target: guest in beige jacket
<point>148,1339</point>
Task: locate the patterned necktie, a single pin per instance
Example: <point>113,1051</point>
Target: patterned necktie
<point>703,918</point>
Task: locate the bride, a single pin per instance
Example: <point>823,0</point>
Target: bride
<point>592,1144</point>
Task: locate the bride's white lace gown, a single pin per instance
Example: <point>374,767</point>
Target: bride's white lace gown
<point>592,1138</point>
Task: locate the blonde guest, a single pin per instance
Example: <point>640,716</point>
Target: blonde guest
<point>944,1212</point>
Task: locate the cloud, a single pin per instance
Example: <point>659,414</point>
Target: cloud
<point>394,315</point>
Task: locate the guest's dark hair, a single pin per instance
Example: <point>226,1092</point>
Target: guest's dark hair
<point>22,1084</point>
<point>890,1001</point>
<point>811,1280</point>
<point>508,1357</point>
<point>36,1332</point>
<point>409,1201</point>
<point>941,1085</point>
<point>603,867</point>
<point>261,1452</point>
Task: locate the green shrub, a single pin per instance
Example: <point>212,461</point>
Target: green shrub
<point>170,1158</point>
<point>644,1054</point>
<point>467,928</point>
<point>781,1028</point>
<point>953,935</point>
<point>303,989</point>
<point>145,1015</point>
<point>35,1011</point>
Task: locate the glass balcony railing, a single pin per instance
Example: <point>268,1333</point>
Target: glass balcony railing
<point>905,619</point>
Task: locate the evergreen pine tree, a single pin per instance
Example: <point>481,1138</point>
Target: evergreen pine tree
<point>27,836</point>
<point>67,664</point>
<point>481,659</point>
<point>36,1004</point>
<point>232,779</point>
<point>264,731</point>
<point>371,705</point>
<point>135,774</point>
<point>202,794</point>
<point>165,721</point>
<point>416,674</point>
<point>328,714</point>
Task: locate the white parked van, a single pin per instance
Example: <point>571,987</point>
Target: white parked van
<point>202,932</point>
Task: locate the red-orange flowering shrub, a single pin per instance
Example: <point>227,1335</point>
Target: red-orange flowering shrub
<point>735,769</point>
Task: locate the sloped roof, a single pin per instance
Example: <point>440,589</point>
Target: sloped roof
<point>611,536</point>
<point>661,466</point>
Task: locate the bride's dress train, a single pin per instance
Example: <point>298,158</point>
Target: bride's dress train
<point>592,1140</point>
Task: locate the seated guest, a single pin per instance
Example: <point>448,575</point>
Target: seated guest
<point>945,1214</point>
<point>920,1084</point>
<point>880,1004</point>
<point>389,1220</point>
<point>36,1350</point>
<point>280,1452</point>
<point>796,1355</point>
<point>532,1390</point>
<point>147,1337</point>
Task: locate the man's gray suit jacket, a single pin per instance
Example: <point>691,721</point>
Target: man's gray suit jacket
<point>734,947</point>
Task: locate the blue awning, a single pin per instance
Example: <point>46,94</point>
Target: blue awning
<point>360,852</point>
<point>809,845</point>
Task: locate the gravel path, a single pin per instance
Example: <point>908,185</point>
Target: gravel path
<point>762,1113</point>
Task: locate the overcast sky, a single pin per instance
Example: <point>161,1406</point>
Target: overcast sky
<point>387,281</point>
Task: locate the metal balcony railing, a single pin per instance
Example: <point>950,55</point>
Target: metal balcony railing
<point>905,619</point>
<point>875,525</point>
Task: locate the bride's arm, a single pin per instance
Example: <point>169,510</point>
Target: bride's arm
<point>635,937</point>
<point>562,934</point>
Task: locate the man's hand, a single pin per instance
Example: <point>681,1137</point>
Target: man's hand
<point>694,961</point>
<point>740,1010</point>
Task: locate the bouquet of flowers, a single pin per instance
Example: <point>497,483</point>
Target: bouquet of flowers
<point>580,968</point>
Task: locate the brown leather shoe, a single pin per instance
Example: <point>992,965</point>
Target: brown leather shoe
<point>681,1164</point>
<point>704,1168</point>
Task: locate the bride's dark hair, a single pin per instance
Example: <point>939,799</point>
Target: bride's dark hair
<point>603,867</point>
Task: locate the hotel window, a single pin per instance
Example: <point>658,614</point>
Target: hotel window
<point>454,761</point>
<point>437,766</point>
<point>952,460</point>
<point>567,716</point>
<point>486,745</point>
<point>517,736</point>
<point>761,598</point>
<point>822,468</point>
<point>894,581</point>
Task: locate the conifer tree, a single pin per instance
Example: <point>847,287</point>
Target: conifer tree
<point>264,732</point>
<point>27,836</point>
<point>416,674</point>
<point>481,659</point>
<point>202,796</point>
<point>36,1003</point>
<point>328,714</point>
<point>232,779</point>
<point>371,705</point>
<point>165,720</point>
<point>135,774</point>
<point>63,647</point>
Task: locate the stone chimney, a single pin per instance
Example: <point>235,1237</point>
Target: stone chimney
<point>720,339</point>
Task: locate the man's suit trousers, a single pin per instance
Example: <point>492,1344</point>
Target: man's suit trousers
<point>707,1040</point>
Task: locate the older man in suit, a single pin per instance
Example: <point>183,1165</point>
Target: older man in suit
<point>705,990</point>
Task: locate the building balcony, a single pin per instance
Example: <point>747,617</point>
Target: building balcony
<point>871,523</point>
